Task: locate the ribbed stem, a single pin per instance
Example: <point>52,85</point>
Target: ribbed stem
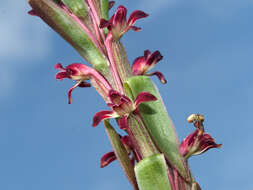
<point>140,137</point>
<point>113,67</point>
<point>121,60</point>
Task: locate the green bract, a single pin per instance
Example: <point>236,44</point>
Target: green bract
<point>151,173</point>
<point>158,121</point>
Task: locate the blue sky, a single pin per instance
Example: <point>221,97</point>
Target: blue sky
<point>208,52</point>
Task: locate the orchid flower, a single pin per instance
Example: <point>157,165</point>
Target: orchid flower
<point>145,63</point>
<point>121,107</point>
<point>80,73</point>
<point>197,142</point>
<point>119,25</point>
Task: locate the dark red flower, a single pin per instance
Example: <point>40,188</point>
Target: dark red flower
<point>121,107</point>
<point>145,63</point>
<point>197,143</point>
<point>80,72</point>
<point>118,24</point>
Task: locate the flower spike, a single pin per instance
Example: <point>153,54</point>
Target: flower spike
<point>80,72</point>
<point>121,107</point>
<point>119,25</point>
<point>145,63</point>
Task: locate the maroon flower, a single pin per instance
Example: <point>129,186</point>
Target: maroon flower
<point>121,107</point>
<point>118,24</point>
<point>145,63</point>
<point>197,143</point>
<point>80,72</point>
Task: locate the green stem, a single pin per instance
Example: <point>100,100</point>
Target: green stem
<point>140,137</point>
<point>121,60</point>
<point>121,154</point>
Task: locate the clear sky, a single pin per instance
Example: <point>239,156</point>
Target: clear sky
<point>208,53</point>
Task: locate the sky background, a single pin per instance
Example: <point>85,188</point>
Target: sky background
<point>208,53</point>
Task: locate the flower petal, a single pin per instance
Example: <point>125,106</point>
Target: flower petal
<point>207,142</point>
<point>154,58</point>
<point>123,123</point>
<point>111,4</point>
<point>135,28</point>
<point>187,143</point>
<point>147,53</point>
<point>114,96</point>
<point>159,75</point>
<point>70,91</point>
<point>84,84</point>
<point>107,159</point>
<point>145,63</point>
<point>126,141</point>
<point>144,97</point>
<point>120,16</point>
<point>59,66</point>
<point>99,116</point>
<point>135,16</point>
<point>104,23</point>
<point>139,66</point>
<point>61,75</point>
